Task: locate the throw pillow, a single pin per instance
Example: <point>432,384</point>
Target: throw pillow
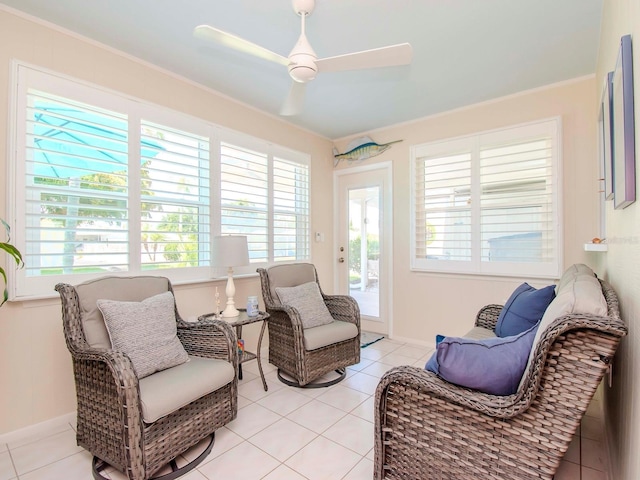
<point>307,300</point>
<point>145,331</point>
<point>494,365</point>
<point>524,308</point>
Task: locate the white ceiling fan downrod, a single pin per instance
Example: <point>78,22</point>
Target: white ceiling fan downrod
<point>302,59</point>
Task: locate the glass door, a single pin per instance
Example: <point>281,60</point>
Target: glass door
<point>363,249</point>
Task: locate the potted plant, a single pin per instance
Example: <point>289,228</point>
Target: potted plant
<point>14,253</point>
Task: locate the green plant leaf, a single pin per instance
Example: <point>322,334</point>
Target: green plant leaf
<point>14,253</point>
<point>5,295</point>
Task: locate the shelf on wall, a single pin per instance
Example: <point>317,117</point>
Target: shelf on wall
<point>595,247</point>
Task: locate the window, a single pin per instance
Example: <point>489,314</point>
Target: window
<point>107,184</point>
<point>488,203</point>
<point>265,196</point>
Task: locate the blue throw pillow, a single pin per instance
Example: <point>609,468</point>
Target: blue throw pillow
<point>494,365</point>
<point>525,308</point>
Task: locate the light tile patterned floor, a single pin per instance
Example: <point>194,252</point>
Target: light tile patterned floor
<point>288,433</point>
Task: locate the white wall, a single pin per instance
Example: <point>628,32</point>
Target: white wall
<point>35,368</point>
<point>621,264</point>
<point>429,304</point>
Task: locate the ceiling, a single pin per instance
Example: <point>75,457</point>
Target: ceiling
<point>464,51</point>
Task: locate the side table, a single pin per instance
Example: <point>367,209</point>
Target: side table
<point>238,322</point>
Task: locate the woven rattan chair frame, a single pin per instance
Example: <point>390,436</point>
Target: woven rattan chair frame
<point>426,428</point>
<point>109,415</point>
<point>286,341</point>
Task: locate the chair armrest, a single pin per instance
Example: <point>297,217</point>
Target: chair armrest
<point>431,388</point>
<point>209,339</point>
<point>487,317</point>
<point>343,308</point>
<point>109,391</point>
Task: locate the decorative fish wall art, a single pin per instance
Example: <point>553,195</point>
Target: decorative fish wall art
<point>360,149</point>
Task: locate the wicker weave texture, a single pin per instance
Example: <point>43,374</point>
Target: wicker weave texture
<point>110,424</point>
<point>286,337</point>
<point>429,429</point>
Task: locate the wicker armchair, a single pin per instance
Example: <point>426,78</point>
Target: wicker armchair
<point>288,340</point>
<point>110,416</point>
<point>427,428</point>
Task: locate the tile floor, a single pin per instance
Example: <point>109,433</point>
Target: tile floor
<point>288,433</point>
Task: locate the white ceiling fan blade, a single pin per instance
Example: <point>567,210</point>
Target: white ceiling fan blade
<point>294,101</point>
<point>207,32</point>
<point>390,56</point>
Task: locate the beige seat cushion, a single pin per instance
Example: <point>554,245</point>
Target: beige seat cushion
<point>578,291</point>
<point>334,332</point>
<point>167,391</point>
<point>480,333</point>
<point>290,275</point>
<point>125,289</point>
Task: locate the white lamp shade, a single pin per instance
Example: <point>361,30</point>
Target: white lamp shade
<point>230,251</point>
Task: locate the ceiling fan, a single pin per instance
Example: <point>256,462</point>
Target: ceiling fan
<point>303,63</point>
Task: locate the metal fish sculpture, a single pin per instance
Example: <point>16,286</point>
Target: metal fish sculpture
<point>360,149</point>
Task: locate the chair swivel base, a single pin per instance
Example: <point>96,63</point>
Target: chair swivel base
<point>342,372</point>
<point>99,465</point>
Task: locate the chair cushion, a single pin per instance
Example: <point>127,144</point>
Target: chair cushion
<point>523,309</point>
<point>578,291</point>
<point>480,333</point>
<point>167,391</point>
<point>308,301</point>
<point>290,275</point>
<point>493,365</point>
<point>145,331</point>
<point>126,289</point>
<point>334,332</point>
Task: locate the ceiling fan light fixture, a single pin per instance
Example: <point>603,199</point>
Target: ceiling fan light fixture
<point>302,73</point>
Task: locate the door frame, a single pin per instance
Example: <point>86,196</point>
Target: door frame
<point>386,260</point>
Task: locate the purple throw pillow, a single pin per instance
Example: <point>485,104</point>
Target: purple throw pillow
<point>524,309</point>
<point>493,365</point>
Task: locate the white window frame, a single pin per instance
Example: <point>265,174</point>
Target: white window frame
<point>271,151</point>
<point>26,76</point>
<point>471,143</point>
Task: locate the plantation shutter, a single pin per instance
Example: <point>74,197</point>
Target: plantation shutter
<point>76,183</point>
<point>518,208</point>
<point>175,198</point>
<point>443,215</point>
<point>516,202</point>
<point>244,196</point>
<point>290,210</point>
<point>488,203</point>
<point>100,183</point>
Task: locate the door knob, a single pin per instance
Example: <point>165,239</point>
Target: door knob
<point>341,260</point>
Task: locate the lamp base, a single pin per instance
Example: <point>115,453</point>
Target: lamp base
<point>230,311</point>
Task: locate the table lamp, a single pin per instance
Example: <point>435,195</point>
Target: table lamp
<point>230,251</point>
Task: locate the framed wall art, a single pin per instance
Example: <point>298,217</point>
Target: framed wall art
<point>624,153</point>
<point>605,125</point>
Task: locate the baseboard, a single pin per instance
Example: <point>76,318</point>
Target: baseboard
<point>34,431</point>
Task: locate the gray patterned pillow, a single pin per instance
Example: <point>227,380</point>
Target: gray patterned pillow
<point>307,299</point>
<point>146,331</point>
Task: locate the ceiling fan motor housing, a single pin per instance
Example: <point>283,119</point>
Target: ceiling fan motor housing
<point>302,61</point>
